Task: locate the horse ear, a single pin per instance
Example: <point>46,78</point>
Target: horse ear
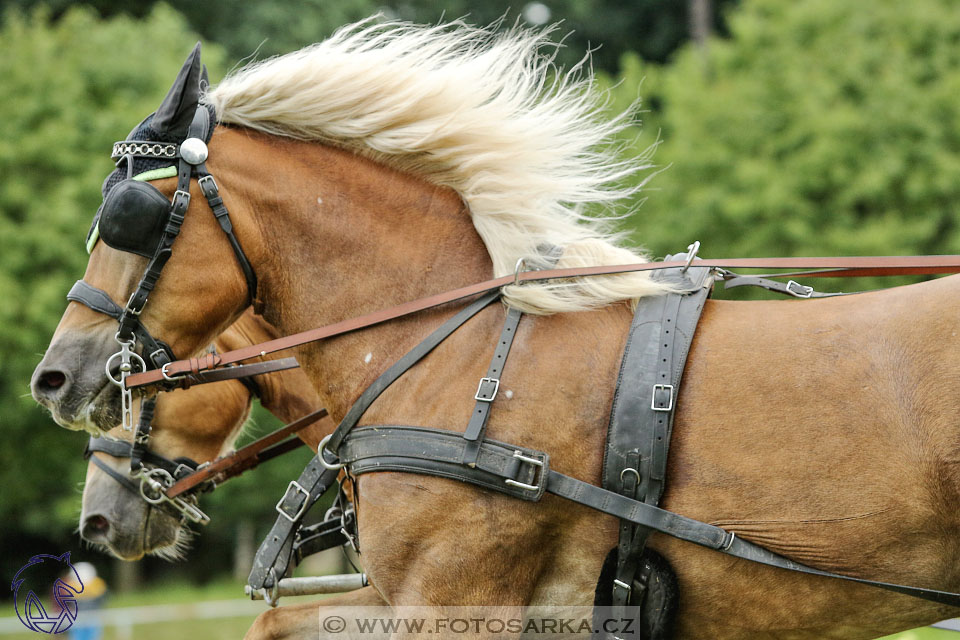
<point>176,113</point>
<point>204,79</point>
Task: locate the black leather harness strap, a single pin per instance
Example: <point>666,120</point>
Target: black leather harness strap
<point>435,452</point>
<point>641,418</point>
<point>402,365</point>
<point>488,388</point>
<point>273,558</point>
<point>789,288</point>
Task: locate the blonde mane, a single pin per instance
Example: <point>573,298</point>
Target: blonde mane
<point>483,112</point>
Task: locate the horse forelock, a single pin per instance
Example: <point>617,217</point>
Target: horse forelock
<point>486,113</point>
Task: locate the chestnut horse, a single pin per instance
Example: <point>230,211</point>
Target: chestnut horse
<point>392,162</point>
<point>199,423</point>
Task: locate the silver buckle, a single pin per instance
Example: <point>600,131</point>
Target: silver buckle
<point>496,387</point>
<point>203,187</point>
<point>653,399</point>
<point>798,290</point>
<point>535,462</point>
<point>303,507</point>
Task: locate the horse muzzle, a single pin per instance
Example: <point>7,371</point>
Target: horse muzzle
<point>71,382</point>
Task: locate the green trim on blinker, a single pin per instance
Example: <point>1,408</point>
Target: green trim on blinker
<point>146,176</point>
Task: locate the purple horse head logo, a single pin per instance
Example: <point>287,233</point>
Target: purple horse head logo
<point>28,604</point>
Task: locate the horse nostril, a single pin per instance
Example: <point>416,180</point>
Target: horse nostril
<point>95,529</point>
<point>52,379</point>
<point>49,384</point>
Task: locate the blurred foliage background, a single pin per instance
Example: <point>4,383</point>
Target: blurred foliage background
<point>783,127</point>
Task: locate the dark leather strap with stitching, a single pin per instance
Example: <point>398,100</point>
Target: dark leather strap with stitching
<point>825,267</point>
<point>274,555</point>
<point>240,371</point>
<point>641,417</point>
<point>369,446</point>
<point>488,387</point>
<point>791,288</point>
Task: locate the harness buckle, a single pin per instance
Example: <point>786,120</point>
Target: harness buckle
<point>167,376</point>
<point>298,489</point>
<point>481,395</point>
<point>536,462</point>
<point>798,290</point>
<point>158,356</point>
<point>209,186</point>
<point>622,585</point>
<point>660,405</point>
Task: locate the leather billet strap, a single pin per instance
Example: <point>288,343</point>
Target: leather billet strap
<point>374,448</point>
<point>791,288</point>
<point>824,267</point>
<point>488,388</point>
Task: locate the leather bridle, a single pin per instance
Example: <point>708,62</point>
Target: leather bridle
<point>191,158</point>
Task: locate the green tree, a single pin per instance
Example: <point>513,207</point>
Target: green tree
<point>818,128</point>
<point>653,28</point>
<point>70,90</point>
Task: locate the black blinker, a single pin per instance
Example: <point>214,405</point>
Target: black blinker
<point>133,217</point>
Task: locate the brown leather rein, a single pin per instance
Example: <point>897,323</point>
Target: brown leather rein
<point>835,267</point>
<point>245,458</point>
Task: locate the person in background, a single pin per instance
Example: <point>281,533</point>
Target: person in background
<point>92,597</point>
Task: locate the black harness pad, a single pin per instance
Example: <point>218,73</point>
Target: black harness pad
<point>659,607</point>
<point>641,423</point>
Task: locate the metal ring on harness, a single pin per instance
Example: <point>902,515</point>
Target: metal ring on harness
<point>332,466</point>
<point>691,254</point>
<point>516,271</point>
<point>631,470</point>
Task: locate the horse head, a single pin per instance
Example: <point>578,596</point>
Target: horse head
<point>198,424</point>
<point>126,241</point>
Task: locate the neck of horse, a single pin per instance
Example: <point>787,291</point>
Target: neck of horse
<point>286,394</point>
<point>384,237</point>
